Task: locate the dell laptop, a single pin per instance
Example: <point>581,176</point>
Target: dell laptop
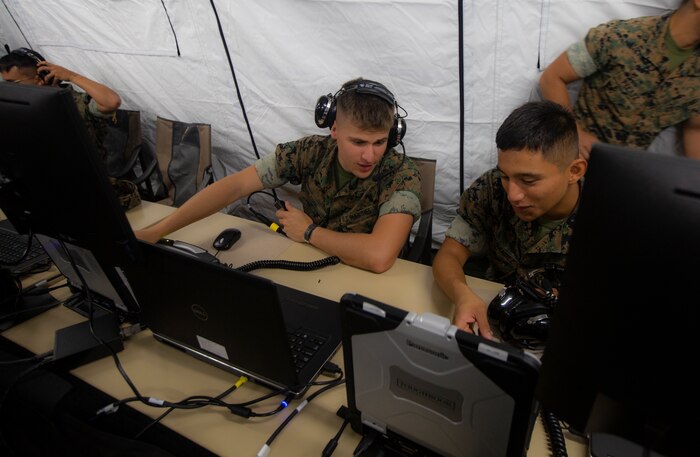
<point>418,386</point>
<point>237,321</point>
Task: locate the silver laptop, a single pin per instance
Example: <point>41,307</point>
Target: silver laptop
<point>418,386</point>
<point>237,321</point>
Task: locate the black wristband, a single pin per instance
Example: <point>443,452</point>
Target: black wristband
<point>309,230</point>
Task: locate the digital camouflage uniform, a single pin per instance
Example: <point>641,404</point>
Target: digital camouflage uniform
<point>355,207</point>
<point>628,94</point>
<point>96,125</point>
<point>487,224</point>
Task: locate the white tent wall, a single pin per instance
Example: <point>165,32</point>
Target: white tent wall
<point>168,59</point>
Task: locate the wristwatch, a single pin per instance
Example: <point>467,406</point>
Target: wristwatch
<point>309,230</point>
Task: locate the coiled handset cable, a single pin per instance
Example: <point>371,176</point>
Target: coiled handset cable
<point>288,264</point>
<point>555,437</point>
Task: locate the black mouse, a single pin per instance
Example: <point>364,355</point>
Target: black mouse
<point>226,239</point>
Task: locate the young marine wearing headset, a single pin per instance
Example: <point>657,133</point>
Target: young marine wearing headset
<point>96,104</point>
<point>519,214</point>
<point>360,197</point>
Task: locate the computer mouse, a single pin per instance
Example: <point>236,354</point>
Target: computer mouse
<point>226,239</point>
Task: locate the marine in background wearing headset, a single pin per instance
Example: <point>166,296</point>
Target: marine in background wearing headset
<point>96,104</point>
<point>360,197</point>
<point>519,214</point>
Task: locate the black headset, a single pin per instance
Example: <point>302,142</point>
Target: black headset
<point>522,312</point>
<point>326,108</point>
<point>26,52</point>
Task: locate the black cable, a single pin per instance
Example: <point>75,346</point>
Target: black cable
<point>555,437</point>
<point>89,299</point>
<point>35,358</point>
<point>288,264</point>
<point>333,443</point>
<point>222,395</point>
<point>265,450</point>
<point>279,204</point>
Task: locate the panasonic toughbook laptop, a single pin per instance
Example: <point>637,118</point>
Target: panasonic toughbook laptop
<point>234,320</point>
<point>418,386</point>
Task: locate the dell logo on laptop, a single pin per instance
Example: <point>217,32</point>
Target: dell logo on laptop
<point>199,312</point>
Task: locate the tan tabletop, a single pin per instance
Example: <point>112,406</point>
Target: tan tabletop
<point>163,372</point>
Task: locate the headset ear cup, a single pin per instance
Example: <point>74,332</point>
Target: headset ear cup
<point>397,132</point>
<point>324,114</point>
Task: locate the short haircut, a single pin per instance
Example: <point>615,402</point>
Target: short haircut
<point>15,59</point>
<point>369,112</point>
<point>543,126</point>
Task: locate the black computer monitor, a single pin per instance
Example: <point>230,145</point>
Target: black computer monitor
<point>52,181</point>
<point>621,352</point>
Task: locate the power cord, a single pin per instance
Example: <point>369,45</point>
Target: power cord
<point>242,380</point>
<point>333,443</point>
<point>265,449</point>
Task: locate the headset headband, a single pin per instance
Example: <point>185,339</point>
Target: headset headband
<point>26,52</point>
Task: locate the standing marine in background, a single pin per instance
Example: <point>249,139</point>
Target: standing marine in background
<point>640,76</point>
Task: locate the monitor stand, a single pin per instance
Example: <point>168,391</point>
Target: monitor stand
<point>607,445</point>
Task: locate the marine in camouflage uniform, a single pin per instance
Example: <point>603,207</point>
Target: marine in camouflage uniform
<point>487,224</point>
<point>95,121</point>
<point>519,215</point>
<point>356,205</point>
<point>632,89</point>
<point>96,124</point>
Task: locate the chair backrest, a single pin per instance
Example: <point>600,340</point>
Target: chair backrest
<point>184,157</point>
<point>122,142</point>
<point>419,250</point>
<point>427,168</point>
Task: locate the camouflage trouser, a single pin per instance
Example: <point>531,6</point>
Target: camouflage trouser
<point>127,193</point>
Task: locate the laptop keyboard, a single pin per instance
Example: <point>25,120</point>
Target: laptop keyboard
<point>304,345</point>
<point>13,245</point>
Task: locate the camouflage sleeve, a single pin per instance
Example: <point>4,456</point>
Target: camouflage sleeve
<point>470,226</point>
<point>402,201</point>
<point>580,60</point>
<point>92,108</point>
<point>601,43</point>
<point>266,167</point>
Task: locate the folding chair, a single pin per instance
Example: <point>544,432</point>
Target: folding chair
<point>420,249</point>
<point>184,157</point>
<point>127,158</point>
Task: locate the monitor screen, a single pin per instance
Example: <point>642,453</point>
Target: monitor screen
<point>620,354</point>
<point>52,181</point>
